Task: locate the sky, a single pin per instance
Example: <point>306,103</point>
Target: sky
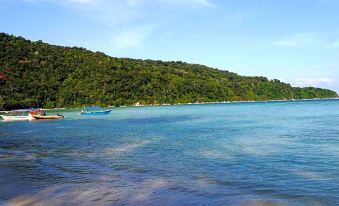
<point>296,41</point>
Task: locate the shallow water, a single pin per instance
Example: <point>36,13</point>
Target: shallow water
<point>278,153</point>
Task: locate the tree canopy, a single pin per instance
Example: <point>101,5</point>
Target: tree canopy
<point>36,74</point>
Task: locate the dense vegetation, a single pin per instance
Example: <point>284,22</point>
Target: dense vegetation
<point>36,74</point>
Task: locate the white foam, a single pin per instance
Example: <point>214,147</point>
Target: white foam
<point>215,154</point>
<point>308,174</point>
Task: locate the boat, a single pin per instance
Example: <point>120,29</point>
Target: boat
<point>17,115</point>
<point>41,115</point>
<point>94,110</point>
<point>47,117</point>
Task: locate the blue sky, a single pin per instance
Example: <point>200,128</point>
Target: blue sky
<point>296,41</point>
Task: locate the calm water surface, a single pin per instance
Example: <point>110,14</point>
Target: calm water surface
<point>283,153</point>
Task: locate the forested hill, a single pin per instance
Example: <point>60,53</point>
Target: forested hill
<point>36,74</point>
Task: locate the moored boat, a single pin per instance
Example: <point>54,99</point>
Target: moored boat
<point>94,110</point>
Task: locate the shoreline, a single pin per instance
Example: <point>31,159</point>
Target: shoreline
<point>232,102</point>
<point>199,103</point>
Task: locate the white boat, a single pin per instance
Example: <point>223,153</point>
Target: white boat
<point>16,117</point>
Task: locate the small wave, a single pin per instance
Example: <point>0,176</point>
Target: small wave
<point>214,154</point>
<point>15,154</point>
<point>308,174</point>
<point>26,132</point>
<point>205,181</point>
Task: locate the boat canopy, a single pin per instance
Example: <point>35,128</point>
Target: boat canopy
<point>36,111</point>
<point>24,110</point>
<point>93,108</point>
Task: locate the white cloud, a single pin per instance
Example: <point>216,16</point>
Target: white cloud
<point>65,1</point>
<point>192,3</point>
<point>123,42</point>
<point>129,39</point>
<point>306,40</point>
<point>133,2</point>
<point>334,44</point>
<point>110,12</point>
<point>297,40</point>
<point>81,1</point>
<point>127,23</point>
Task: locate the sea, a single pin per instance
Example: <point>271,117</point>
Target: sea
<point>259,153</point>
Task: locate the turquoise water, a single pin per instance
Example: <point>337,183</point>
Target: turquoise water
<point>278,153</point>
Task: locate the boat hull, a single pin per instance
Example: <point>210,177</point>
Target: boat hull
<point>47,117</point>
<point>16,118</point>
<point>95,112</point>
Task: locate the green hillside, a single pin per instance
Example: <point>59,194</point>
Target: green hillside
<point>36,74</point>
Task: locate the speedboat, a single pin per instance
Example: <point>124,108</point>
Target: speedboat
<point>17,115</point>
<point>41,115</point>
<point>47,117</point>
<point>94,110</point>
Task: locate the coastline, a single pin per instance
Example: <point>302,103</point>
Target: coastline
<point>231,102</point>
<point>197,103</point>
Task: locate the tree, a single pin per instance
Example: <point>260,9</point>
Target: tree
<point>43,75</point>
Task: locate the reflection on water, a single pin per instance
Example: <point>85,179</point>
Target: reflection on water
<point>256,154</point>
<point>124,148</point>
<point>103,193</point>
